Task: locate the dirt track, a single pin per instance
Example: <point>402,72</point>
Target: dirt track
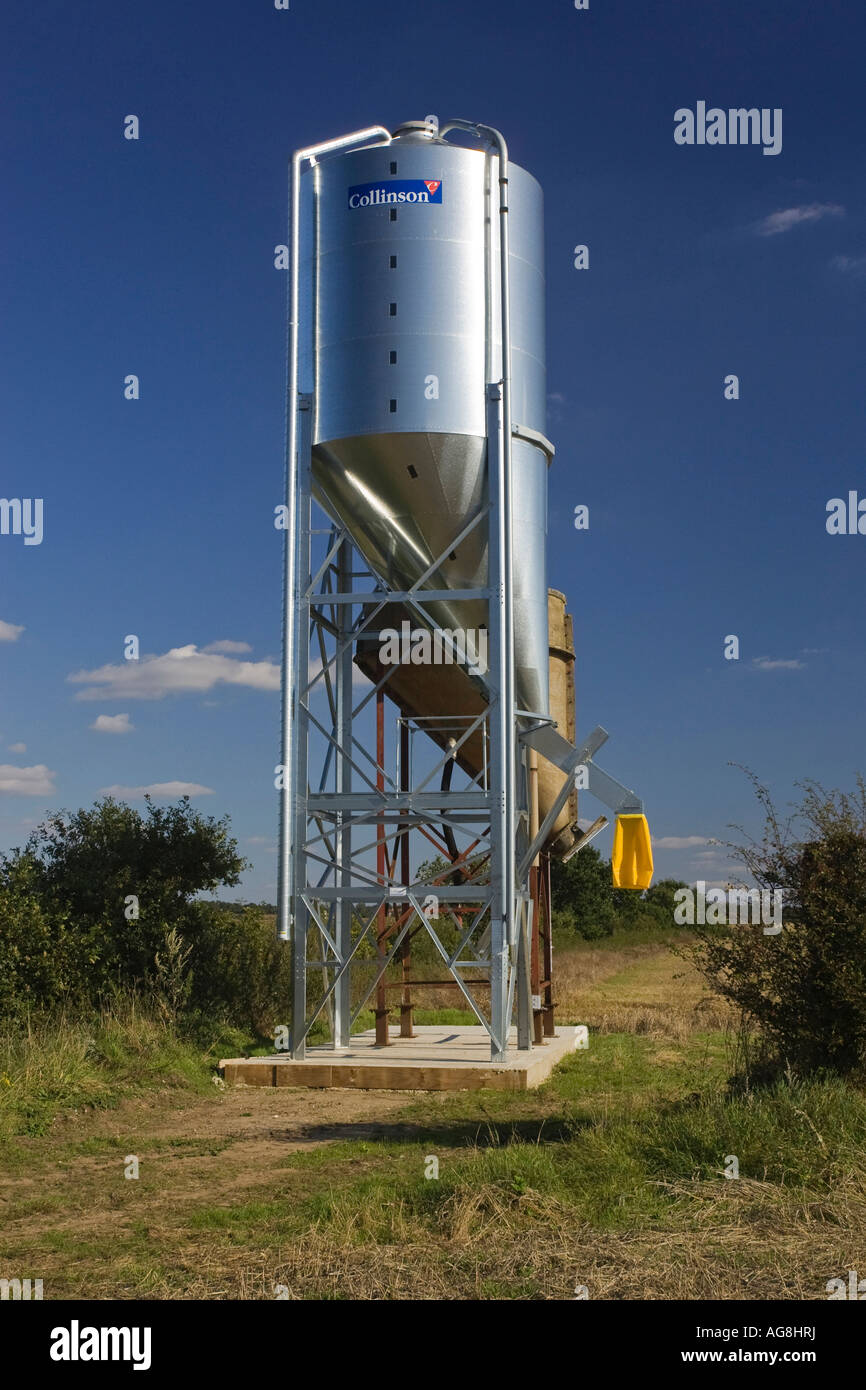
<point>71,1183</point>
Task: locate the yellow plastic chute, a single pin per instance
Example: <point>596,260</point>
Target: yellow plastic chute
<point>632,858</point>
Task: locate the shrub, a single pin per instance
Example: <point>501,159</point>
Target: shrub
<point>64,897</point>
<point>239,971</point>
<point>804,989</point>
<point>35,962</point>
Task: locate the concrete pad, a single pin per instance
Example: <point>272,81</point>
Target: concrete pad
<point>438,1058</point>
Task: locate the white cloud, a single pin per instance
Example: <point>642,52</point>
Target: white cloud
<point>227,646</point>
<point>18,748</point>
<point>10,632</point>
<point>27,781</point>
<point>786,218</point>
<point>679,841</point>
<point>112,724</point>
<point>764,663</point>
<point>168,790</point>
<point>850,265</point>
<point>358,677</point>
<point>182,670</point>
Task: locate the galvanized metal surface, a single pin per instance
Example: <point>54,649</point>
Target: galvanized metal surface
<point>400,307</point>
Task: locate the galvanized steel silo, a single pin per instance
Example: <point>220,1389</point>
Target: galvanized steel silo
<point>399,320</point>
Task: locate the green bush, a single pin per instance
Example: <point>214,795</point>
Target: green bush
<point>239,971</point>
<point>91,901</point>
<point>35,959</point>
<point>69,933</point>
<point>805,988</point>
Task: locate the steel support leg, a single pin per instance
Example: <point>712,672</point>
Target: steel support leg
<point>342,1003</point>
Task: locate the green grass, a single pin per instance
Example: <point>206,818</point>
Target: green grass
<point>608,1138</point>
<point>61,1062</point>
<point>613,1145</point>
<point>648,935</point>
<point>612,1173</point>
<point>613,1168</point>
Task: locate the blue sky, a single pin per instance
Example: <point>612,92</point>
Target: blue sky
<point>707,516</point>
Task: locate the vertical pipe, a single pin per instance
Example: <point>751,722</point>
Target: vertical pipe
<point>504,923</point>
<point>505,950</point>
<point>382,875</point>
<point>507,549</point>
<point>288,792</point>
<point>501,899</point>
<point>503,481</point>
<point>285,885</point>
<point>297,806</point>
<point>506,529</point>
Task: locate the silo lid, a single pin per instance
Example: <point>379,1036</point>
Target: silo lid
<point>426,130</point>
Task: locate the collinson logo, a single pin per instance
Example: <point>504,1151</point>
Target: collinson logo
<point>76,1343</point>
<point>366,195</point>
<point>737,126</point>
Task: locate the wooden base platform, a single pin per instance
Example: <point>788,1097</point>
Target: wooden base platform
<point>438,1058</point>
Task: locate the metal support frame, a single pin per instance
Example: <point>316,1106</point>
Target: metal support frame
<point>335,883</point>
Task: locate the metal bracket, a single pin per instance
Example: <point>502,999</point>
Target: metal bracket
<point>559,751</point>
<point>534,437</point>
<point>585,836</point>
<point>551,745</point>
<point>619,799</point>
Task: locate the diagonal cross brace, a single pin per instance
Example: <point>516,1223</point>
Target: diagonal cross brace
<point>559,751</point>
<point>600,784</point>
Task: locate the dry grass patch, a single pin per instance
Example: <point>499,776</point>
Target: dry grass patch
<point>741,1243</point>
<point>644,989</point>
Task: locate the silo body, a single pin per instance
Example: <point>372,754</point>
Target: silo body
<point>399,338</point>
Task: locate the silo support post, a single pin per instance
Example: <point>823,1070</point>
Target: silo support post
<point>502,749</point>
<point>547,997</point>
<point>295,773</point>
<point>524,986</point>
<point>406,1028</point>
<point>382,877</point>
<point>343,702</point>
